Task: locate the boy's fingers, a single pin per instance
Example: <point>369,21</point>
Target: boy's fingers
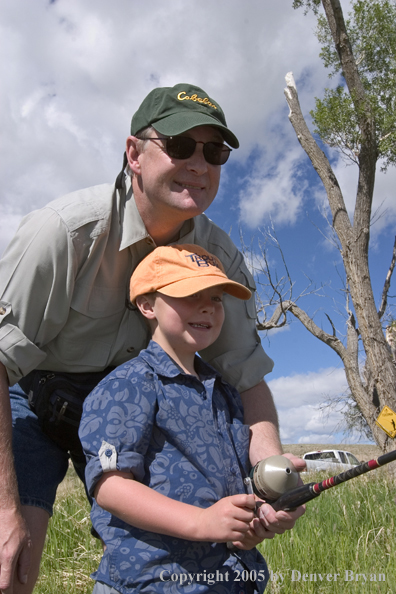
<point>244,501</point>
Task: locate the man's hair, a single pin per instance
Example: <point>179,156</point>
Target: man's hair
<point>144,135</point>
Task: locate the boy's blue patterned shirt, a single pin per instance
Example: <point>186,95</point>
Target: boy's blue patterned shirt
<point>186,439</point>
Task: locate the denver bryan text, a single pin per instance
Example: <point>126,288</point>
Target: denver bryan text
<point>347,576</point>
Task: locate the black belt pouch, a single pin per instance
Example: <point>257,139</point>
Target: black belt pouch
<point>57,400</point>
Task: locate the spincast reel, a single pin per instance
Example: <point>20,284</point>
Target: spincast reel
<point>273,476</point>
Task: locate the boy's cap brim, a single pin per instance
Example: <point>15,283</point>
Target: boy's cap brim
<point>174,110</point>
<point>181,270</point>
<point>189,286</point>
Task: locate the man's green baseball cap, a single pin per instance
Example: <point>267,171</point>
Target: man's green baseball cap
<point>174,110</point>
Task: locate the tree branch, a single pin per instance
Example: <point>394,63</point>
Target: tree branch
<point>350,72</point>
<point>329,339</point>
<point>320,162</point>
<point>385,291</point>
<point>368,154</point>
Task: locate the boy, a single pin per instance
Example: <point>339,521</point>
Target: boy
<point>166,447</point>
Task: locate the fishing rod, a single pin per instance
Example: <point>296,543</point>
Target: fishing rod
<point>275,478</point>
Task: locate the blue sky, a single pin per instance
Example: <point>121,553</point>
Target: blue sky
<point>74,72</point>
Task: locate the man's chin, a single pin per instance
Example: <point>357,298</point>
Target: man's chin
<point>194,204</point>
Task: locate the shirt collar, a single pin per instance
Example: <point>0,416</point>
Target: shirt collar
<point>132,226</point>
<point>164,365</point>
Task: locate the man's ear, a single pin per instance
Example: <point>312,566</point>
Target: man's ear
<point>132,154</point>
<point>145,304</point>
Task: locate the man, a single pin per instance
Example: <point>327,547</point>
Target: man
<point>63,307</point>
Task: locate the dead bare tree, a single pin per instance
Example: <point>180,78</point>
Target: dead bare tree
<point>374,386</point>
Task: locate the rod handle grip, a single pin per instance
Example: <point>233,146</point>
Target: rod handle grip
<point>294,498</point>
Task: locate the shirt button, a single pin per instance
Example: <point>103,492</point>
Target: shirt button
<point>108,453</point>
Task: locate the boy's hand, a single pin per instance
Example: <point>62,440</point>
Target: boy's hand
<point>227,520</point>
<point>256,534</point>
<point>267,524</point>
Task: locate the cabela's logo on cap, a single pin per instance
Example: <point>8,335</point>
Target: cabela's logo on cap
<point>182,96</point>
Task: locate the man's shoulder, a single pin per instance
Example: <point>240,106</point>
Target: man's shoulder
<point>89,205</point>
<point>216,241</point>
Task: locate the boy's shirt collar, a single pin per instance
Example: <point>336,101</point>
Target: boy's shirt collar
<point>155,356</point>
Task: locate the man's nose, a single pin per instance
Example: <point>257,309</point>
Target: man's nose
<point>197,162</point>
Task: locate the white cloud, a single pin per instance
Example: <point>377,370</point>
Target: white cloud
<point>277,186</point>
<point>297,398</point>
<point>325,438</point>
<point>274,191</point>
<point>308,388</point>
<point>73,73</point>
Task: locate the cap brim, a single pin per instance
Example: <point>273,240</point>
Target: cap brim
<point>181,122</point>
<point>189,286</point>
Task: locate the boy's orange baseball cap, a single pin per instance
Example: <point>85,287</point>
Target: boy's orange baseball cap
<point>180,271</point>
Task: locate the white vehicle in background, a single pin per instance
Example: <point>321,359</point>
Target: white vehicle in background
<point>334,460</point>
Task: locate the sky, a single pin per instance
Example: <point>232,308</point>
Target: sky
<point>73,73</point>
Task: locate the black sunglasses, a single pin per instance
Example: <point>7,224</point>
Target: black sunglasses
<point>183,147</point>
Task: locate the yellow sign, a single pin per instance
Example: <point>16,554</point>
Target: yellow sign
<point>387,421</point>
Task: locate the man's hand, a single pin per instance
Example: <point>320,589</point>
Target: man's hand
<point>15,543</point>
<point>15,550</point>
<point>280,521</point>
<point>299,463</point>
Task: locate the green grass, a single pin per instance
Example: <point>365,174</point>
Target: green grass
<point>349,528</point>
<point>71,554</point>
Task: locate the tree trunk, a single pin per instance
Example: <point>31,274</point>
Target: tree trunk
<point>381,390</point>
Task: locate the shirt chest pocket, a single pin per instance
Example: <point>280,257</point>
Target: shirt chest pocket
<point>92,326</point>
<point>98,302</point>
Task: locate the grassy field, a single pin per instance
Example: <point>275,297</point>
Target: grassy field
<point>71,553</point>
<point>344,543</point>
<point>345,533</point>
